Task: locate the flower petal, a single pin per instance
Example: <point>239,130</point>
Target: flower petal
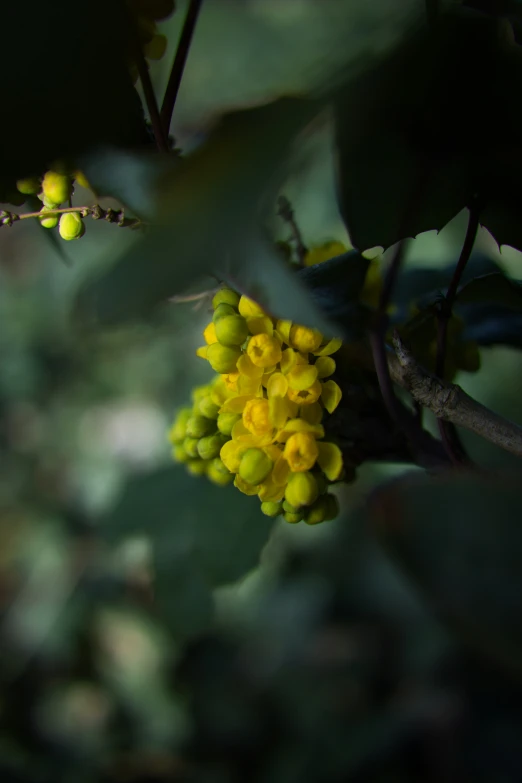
<point>247,367</point>
<point>299,425</point>
<point>277,385</point>
<point>280,471</point>
<point>331,347</point>
<point>302,376</point>
<point>331,395</point>
<point>260,325</point>
<point>235,404</point>
<point>246,489</point>
<point>231,453</point>
<point>330,460</point>
<point>202,351</point>
<point>325,366</point>
<point>313,413</point>
<point>270,491</point>
<point>288,360</point>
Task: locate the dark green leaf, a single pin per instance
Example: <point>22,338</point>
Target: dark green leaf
<point>459,539</point>
<point>492,325</point>
<point>219,531</point>
<point>91,102</point>
<point>492,289</point>
<point>406,144</point>
<point>207,212</point>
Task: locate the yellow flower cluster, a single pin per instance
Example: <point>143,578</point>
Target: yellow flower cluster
<point>259,423</point>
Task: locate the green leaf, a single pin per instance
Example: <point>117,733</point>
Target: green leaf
<point>82,108</point>
<point>459,540</point>
<point>407,145</point>
<point>207,213</point>
<point>217,530</point>
<point>492,289</point>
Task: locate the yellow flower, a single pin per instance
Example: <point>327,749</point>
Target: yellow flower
<point>256,416</point>
<point>210,334</point>
<point>248,308</point>
<point>299,425</point>
<point>306,396</point>
<point>305,339</point>
<point>318,254</point>
<point>263,350</point>
<point>302,377</point>
<point>330,460</point>
<point>301,451</point>
<point>230,380</point>
<point>331,395</point>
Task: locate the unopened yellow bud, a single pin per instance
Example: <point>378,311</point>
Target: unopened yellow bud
<point>271,509</point>
<point>178,431</point>
<point>225,296</point>
<point>71,226</point>
<point>231,330</point>
<point>222,359</point>
<point>255,466</point>
<point>301,490</point>
<point>301,451</point>
<point>223,310</point>
<point>218,473</point>
<point>304,339</point>
<point>209,446</point>
<point>179,453</point>
<point>208,408</point>
<point>191,447</point>
<point>56,187</point>
<point>199,426</point>
<point>226,421</point>
<point>48,222</point>
<point>292,518</point>
<point>30,186</point>
<point>197,467</point>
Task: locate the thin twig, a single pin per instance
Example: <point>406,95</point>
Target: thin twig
<point>96,212</point>
<point>178,66</point>
<point>451,403</point>
<point>447,430</point>
<point>148,91</point>
<point>286,212</point>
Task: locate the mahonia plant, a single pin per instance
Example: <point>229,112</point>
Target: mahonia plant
<point>260,422</point>
<point>55,187</point>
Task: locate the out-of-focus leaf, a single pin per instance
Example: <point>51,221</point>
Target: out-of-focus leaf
<point>182,595</point>
<point>459,540</point>
<point>207,214</point>
<point>420,284</point>
<point>406,145</point>
<point>494,289</point>
<point>219,531</point>
<point>492,325</point>
<point>69,87</point>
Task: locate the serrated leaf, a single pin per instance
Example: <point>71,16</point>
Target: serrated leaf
<point>492,289</point>
<point>207,212</point>
<point>406,127</point>
<point>459,540</point>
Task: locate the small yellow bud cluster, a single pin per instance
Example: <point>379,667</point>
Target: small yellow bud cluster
<point>54,189</point>
<point>259,423</point>
<point>146,13</point>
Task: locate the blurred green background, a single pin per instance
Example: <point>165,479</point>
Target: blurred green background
<point>261,651</point>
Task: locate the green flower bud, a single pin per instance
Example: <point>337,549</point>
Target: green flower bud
<point>197,467</point>
<point>179,453</point>
<point>178,431</point>
<point>223,310</point>
<point>199,426</point>
<point>292,518</point>
<point>71,226</point>
<point>231,330</point>
<point>191,447</point>
<point>218,473</point>
<point>209,446</point>
<point>225,296</point>
<point>48,222</point>
<point>30,186</point>
<point>288,507</point>
<point>225,422</point>
<point>221,358</point>
<point>301,489</point>
<point>317,513</point>
<point>56,187</point>
<point>271,509</point>
<point>208,408</point>
<point>255,466</point>
<point>332,507</point>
